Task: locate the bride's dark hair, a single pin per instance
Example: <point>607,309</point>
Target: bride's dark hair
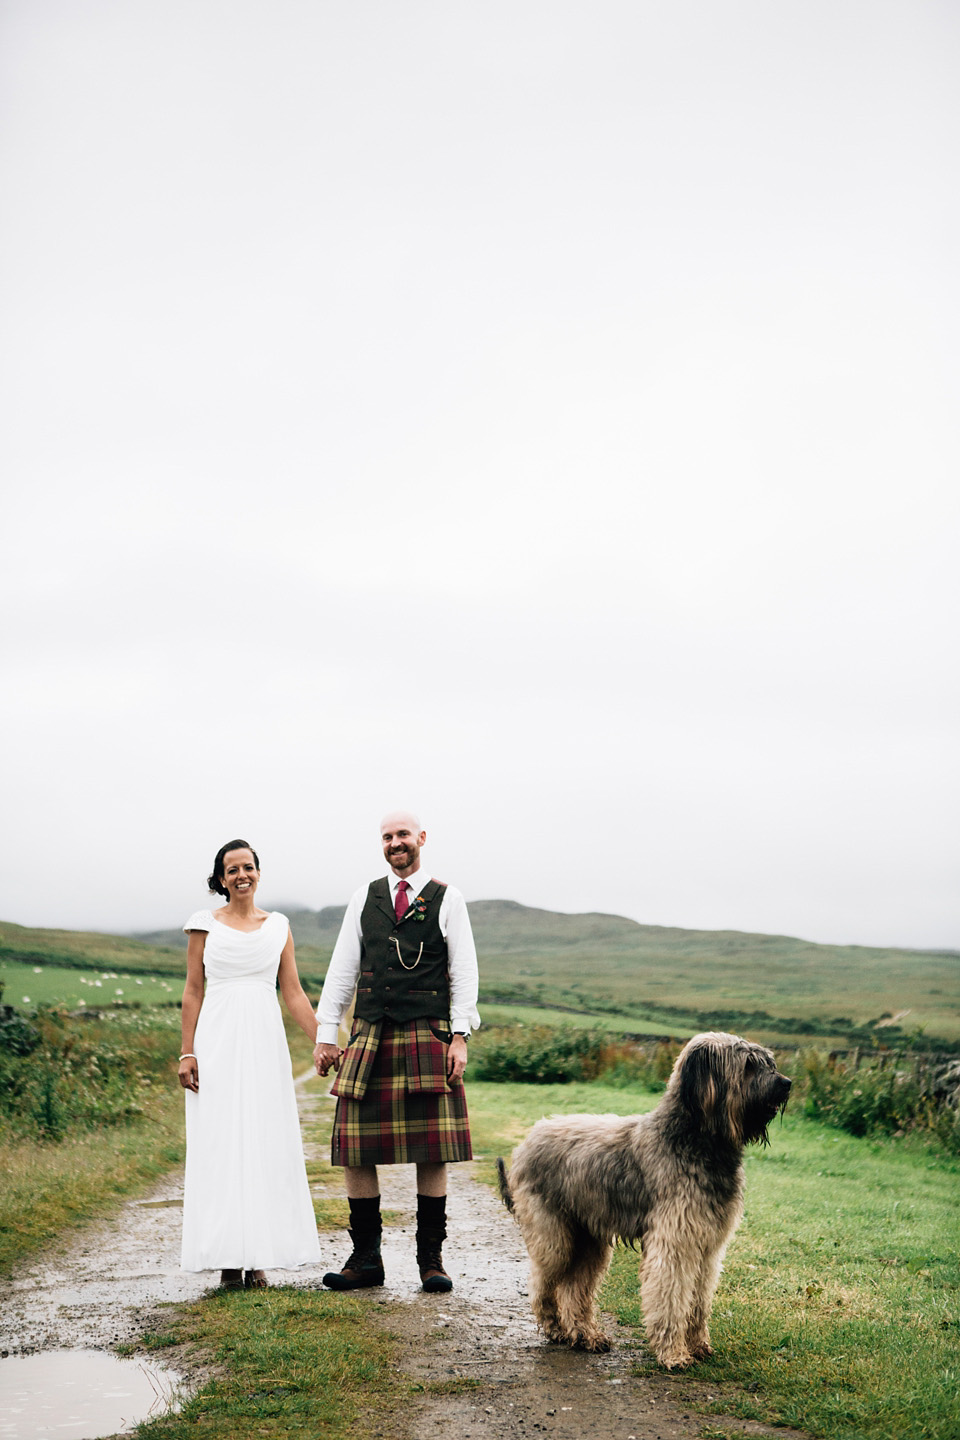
<point>215,881</point>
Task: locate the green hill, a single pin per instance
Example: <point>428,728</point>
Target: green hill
<point>712,977</point>
<point>82,949</point>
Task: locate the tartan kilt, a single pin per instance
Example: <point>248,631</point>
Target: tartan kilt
<point>392,1124</point>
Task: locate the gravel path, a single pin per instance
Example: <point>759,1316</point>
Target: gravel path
<point>101,1288</point>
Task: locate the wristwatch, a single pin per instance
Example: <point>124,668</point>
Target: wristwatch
<point>464,1034</point>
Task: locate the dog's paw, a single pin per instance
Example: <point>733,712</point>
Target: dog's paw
<point>700,1349</point>
<point>594,1343</point>
<point>675,1359</point>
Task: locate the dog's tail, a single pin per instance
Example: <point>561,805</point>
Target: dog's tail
<point>504,1184</point>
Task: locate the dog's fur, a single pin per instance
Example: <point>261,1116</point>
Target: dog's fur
<point>672,1179</point>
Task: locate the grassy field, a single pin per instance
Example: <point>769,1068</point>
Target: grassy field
<point>47,1190</point>
<point>27,986</point>
<point>526,1015</point>
<point>622,1022</point>
<point>650,1023</point>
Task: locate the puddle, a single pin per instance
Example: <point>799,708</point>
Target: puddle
<point>82,1394</point>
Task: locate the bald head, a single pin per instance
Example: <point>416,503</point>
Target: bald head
<point>401,817</point>
<point>402,837</point>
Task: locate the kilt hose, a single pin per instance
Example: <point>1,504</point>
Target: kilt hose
<point>394,1106</point>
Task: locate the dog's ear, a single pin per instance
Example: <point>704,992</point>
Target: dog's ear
<point>700,1090</point>
<point>710,1090</point>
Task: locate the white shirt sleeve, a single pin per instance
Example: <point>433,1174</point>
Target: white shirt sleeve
<point>461,961</point>
<point>342,973</point>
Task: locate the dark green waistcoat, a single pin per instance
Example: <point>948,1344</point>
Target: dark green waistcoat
<point>403,964</point>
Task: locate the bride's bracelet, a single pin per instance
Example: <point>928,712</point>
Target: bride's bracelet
<point>188,1056</point>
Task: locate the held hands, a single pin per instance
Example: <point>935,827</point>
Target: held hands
<point>189,1074</point>
<point>325,1056</point>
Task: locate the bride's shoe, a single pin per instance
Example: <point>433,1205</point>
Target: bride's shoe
<point>231,1279</point>
<point>255,1280</point>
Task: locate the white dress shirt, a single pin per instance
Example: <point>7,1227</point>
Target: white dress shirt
<point>344,968</point>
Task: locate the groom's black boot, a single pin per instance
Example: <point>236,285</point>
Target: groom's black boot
<point>431,1233</point>
<point>364,1267</point>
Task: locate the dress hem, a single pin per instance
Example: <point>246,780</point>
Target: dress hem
<point>275,1265</point>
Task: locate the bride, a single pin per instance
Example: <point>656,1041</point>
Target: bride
<point>246,1202</point>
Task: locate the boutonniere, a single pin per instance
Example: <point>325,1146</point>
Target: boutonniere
<point>419,908</point>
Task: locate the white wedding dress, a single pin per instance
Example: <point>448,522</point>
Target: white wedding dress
<point>246,1202</point>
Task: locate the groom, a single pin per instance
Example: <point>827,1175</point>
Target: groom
<point>407,948</point>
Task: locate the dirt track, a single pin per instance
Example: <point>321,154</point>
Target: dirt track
<point>100,1290</point>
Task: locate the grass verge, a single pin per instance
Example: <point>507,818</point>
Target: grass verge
<point>48,1189</point>
<point>838,1308</point>
<point>289,1362</point>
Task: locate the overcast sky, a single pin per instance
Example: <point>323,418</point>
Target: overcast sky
<point>540,414</point>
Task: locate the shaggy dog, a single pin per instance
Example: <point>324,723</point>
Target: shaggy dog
<point>672,1179</point>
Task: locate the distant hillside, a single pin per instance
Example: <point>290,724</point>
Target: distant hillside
<point>592,961</point>
<point>79,949</point>
<point>682,979</point>
<point>697,972</point>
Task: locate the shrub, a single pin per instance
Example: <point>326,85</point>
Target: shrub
<point>554,1055</point>
<point>551,1055</point>
<point>17,1035</point>
<point>873,1099</point>
<point>946,1126</point>
<point>625,1064</point>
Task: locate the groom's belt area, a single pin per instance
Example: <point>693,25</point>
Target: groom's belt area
<point>417,1050</point>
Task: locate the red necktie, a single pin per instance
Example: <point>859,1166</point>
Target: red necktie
<point>401,904</point>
